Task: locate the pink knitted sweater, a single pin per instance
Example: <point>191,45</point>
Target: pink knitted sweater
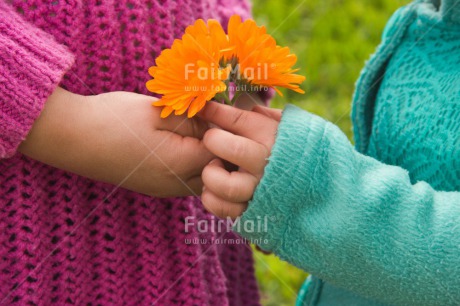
<point>65,239</point>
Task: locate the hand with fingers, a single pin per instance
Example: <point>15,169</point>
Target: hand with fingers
<point>119,138</point>
<point>245,140</point>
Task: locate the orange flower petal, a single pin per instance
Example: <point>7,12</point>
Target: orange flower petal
<point>166,111</point>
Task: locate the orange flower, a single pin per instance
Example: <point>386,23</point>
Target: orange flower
<point>199,67</point>
<point>261,61</point>
<point>188,75</point>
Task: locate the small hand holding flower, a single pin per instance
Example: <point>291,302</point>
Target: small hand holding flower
<point>119,138</point>
<point>245,140</point>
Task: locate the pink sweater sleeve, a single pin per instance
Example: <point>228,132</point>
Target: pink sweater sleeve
<point>32,64</point>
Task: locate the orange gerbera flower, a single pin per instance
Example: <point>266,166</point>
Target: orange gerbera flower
<point>189,74</point>
<point>200,66</point>
<point>261,61</point>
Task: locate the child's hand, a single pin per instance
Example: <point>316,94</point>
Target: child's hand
<point>119,138</point>
<point>246,139</point>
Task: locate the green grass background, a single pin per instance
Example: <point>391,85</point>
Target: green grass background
<point>332,39</point>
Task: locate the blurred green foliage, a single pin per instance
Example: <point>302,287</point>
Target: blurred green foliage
<point>332,39</point>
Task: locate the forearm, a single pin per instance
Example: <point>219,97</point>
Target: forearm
<point>65,136</point>
<point>79,133</point>
<point>52,139</point>
<point>354,221</point>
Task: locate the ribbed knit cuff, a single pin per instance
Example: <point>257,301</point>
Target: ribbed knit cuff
<point>32,64</point>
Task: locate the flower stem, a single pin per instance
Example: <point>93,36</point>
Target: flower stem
<point>226,99</point>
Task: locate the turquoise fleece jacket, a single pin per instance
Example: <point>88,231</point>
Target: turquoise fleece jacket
<point>378,223</point>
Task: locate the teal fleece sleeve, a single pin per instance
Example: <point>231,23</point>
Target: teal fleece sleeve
<point>353,221</point>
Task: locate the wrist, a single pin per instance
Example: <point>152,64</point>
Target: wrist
<point>55,128</point>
